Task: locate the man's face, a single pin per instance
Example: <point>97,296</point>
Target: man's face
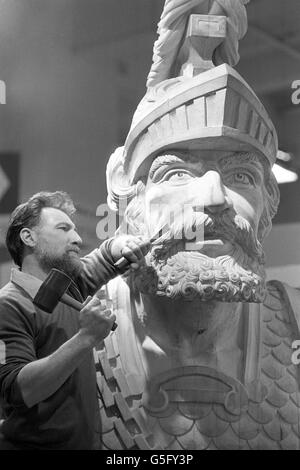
<point>58,243</point>
<point>216,197</point>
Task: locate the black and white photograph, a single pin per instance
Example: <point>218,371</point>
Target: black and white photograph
<point>149,227</point>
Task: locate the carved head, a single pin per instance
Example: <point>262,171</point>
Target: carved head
<point>197,164</point>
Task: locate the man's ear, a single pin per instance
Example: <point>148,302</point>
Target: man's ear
<point>28,237</point>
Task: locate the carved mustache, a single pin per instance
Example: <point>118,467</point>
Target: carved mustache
<point>229,226</point>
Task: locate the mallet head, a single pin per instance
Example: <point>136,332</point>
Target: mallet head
<point>52,290</point>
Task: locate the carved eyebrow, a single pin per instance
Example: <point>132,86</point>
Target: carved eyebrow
<point>164,160</point>
<point>169,159</point>
<point>238,160</point>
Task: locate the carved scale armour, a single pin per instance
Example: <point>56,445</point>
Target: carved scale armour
<point>198,407</point>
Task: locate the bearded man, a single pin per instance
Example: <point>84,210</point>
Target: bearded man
<point>47,375</point>
<point>203,355</point>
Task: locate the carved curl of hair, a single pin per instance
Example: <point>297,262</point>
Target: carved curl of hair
<point>120,192</point>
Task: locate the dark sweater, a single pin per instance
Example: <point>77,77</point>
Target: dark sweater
<point>66,420</point>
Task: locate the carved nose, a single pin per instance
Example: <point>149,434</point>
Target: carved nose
<point>213,197</point>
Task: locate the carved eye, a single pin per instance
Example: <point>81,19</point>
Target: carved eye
<point>178,176</point>
<point>243,178</point>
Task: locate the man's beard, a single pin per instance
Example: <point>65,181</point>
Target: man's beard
<point>172,272</point>
<point>68,263</point>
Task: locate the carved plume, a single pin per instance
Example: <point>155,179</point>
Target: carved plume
<point>172,27</point>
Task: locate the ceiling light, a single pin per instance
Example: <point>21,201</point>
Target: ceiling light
<point>283,175</point>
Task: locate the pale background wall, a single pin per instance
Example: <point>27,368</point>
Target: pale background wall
<point>75,71</point>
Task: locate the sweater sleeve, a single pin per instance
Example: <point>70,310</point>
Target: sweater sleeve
<point>17,345</point>
<point>98,269</point>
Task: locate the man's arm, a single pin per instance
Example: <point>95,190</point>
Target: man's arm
<point>39,379</point>
<point>98,266</point>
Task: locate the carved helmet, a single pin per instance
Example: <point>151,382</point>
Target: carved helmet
<point>213,110</point>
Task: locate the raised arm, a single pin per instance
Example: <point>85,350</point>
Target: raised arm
<point>98,266</point>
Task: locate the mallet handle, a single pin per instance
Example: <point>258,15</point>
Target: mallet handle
<point>67,300</point>
<point>122,265</point>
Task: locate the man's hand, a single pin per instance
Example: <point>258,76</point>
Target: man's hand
<point>132,248</point>
<point>39,379</point>
<point>95,321</point>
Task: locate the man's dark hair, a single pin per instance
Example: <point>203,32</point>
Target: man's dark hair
<point>28,215</point>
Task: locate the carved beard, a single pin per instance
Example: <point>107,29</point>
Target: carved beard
<point>190,275</point>
<point>172,272</point>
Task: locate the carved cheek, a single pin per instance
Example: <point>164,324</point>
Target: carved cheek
<point>167,194</point>
<point>249,205</point>
<point>163,202</point>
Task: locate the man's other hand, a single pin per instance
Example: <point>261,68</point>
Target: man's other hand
<point>95,321</point>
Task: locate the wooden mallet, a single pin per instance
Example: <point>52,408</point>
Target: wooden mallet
<point>53,290</point>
